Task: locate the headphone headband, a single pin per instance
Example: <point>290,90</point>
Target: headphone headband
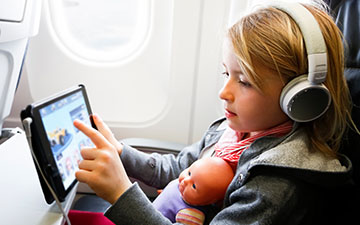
<point>314,41</point>
<point>306,98</point>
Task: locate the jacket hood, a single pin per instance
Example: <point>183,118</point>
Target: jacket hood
<point>293,157</point>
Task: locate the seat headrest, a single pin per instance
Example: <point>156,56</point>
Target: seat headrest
<point>347,17</point>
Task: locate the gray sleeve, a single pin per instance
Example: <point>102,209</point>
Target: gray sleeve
<point>158,170</point>
<point>133,207</point>
<point>155,169</point>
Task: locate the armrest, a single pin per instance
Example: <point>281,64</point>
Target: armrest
<point>152,145</point>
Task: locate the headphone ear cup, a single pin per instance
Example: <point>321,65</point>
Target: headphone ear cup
<point>303,101</point>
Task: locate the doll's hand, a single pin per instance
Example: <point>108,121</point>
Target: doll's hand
<point>101,167</point>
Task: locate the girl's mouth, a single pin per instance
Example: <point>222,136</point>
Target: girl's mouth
<point>229,114</point>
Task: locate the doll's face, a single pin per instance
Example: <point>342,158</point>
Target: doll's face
<point>205,181</point>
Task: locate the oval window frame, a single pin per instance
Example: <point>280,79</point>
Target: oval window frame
<point>121,54</point>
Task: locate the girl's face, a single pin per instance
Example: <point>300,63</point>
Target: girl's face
<point>247,109</point>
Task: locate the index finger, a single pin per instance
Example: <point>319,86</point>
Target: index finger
<point>96,137</point>
<point>105,130</point>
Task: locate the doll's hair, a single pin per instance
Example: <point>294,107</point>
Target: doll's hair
<point>270,37</point>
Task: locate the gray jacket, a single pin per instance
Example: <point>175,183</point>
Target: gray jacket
<point>277,181</point>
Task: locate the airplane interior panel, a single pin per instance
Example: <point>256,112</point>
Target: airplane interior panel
<point>146,100</point>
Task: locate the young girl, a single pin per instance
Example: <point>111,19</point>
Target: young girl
<point>279,179</point>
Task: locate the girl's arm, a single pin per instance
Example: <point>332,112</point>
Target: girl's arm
<point>158,170</point>
<point>104,172</point>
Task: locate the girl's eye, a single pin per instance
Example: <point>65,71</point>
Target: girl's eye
<point>194,186</point>
<point>226,74</point>
<point>189,173</point>
<point>244,83</point>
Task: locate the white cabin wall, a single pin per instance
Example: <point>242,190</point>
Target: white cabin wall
<point>182,68</point>
<point>207,106</point>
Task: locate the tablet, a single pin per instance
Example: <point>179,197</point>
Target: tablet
<point>55,141</point>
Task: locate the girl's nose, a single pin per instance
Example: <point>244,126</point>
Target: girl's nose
<point>226,93</point>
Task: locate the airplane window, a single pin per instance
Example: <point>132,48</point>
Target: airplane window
<point>101,30</point>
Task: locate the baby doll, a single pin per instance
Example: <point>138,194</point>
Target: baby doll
<point>199,189</point>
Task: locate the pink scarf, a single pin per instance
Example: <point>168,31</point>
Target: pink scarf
<point>232,143</point>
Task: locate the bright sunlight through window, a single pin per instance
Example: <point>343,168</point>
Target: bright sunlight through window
<point>101,30</point>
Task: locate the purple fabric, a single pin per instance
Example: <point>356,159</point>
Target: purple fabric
<point>169,202</point>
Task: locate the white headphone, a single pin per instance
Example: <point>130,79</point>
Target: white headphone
<point>305,98</point>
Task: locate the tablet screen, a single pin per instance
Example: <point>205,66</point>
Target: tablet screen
<point>65,140</point>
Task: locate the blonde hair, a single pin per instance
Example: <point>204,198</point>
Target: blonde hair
<point>271,37</point>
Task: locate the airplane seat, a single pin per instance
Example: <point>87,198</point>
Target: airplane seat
<point>347,16</point>
<point>342,207</point>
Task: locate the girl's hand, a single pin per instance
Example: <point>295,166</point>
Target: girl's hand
<point>106,132</point>
<point>101,167</point>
